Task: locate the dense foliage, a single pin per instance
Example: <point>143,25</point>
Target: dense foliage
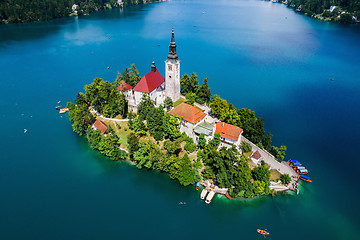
<point>80,117</point>
<point>17,11</point>
<point>189,87</point>
<point>232,171</point>
<point>311,7</point>
<point>106,145</point>
<point>150,156</point>
<point>105,98</point>
<point>130,76</point>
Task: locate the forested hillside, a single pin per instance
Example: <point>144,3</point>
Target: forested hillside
<point>17,11</point>
<point>347,11</point>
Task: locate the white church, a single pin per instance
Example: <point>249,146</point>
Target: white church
<point>154,85</point>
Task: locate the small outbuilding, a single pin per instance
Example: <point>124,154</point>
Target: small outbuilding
<point>100,126</point>
<point>256,157</point>
<point>126,88</point>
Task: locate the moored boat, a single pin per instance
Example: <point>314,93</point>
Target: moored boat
<point>197,185</point>
<point>203,193</point>
<point>64,110</point>
<point>296,164</point>
<point>209,197</point>
<point>262,232</point>
<point>228,196</point>
<point>305,178</point>
<point>303,171</point>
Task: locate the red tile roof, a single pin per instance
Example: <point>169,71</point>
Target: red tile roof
<point>228,131</point>
<point>256,155</point>
<point>100,125</point>
<point>188,112</point>
<point>149,82</point>
<point>124,86</point>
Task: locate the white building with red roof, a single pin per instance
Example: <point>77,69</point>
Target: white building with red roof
<point>229,134</point>
<point>153,85</point>
<point>126,88</point>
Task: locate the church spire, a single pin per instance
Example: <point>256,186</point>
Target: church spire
<point>172,47</point>
<point>153,66</point>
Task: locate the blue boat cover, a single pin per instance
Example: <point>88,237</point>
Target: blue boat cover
<point>305,177</point>
<point>293,160</point>
<point>198,184</point>
<point>297,163</point>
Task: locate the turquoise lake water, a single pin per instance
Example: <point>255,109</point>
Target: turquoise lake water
<point>256,54</point>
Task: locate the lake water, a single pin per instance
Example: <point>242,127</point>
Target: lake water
<point>256,54</point>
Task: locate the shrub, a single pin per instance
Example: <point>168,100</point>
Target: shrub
<point>246,147</point>
<point>285,179</point>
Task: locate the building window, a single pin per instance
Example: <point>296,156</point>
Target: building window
<point>170,67</point>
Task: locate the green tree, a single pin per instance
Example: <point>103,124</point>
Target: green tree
<point>261,173</point>
<point>246,147</point>
<point>194,84</point>
<point>190,97</point>
<point>80,99</point>
<point>94,138</point>
<point>187,172</point>
<point>154,121</point>
<point>80,117</point>
<point>285,178</point>
<point>204,93</point>
<point>219,106</point>
<point>172,147</point>
<point>202,141</point>
<point>216,140</point>
<point>279,153</point>
<point>170,127</point>
<point>208,173</point>
<point>185,84</point>
<point>145,106</point>
<point>346,18</point>
<point>133,142</point>
<point>168,103</point>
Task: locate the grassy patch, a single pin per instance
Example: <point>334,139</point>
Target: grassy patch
<point>252,165</point>
<point>198,108</point>
<point>247,154</point>
<point>178,102</point>
<point>121,129</point>
<point>274,175</point>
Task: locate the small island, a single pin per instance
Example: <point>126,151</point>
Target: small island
<point>176,126</point>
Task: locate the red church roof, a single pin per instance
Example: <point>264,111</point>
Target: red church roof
<point>149,82</point>
<point>228,131</point>
<point>124,86</point>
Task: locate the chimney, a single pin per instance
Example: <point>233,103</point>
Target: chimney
<point>223,124</point>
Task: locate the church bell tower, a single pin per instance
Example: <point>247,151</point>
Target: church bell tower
<point>172,72</point>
